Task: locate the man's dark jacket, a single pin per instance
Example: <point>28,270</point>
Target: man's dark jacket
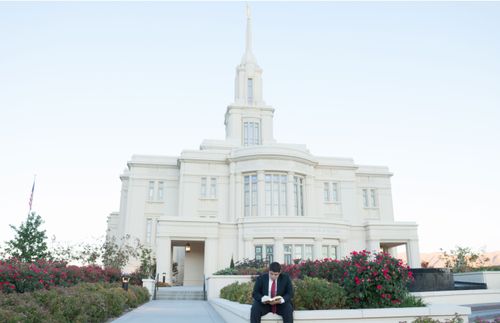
<point>261,287</point>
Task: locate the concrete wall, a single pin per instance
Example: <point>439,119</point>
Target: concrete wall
<point>460,297</point>
<point>240,313</point>
<point>490,278</point>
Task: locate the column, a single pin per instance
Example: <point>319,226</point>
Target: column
<point>318,250</point>
<point>342,249</point>
<point>210,257</point>
<point>309,205</point>
<point>164,258</point>
<point>249,253</point>
<point>261,194</point>
<point>231,214</point>
<point>289,194</point>
<point>279,251</point>
<point>373,245</point>
<point>238,205</point>
<point>413,254</point>
<point>241,244</point>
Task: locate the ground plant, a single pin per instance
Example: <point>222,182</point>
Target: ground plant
<point>85,302</point>
<point>367,280</point>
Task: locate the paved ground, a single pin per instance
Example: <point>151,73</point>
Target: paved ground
<point>165,311</point>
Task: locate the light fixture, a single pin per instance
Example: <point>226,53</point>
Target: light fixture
<point>188,247</point>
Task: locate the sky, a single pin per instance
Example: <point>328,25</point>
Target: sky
<point>411,85</point>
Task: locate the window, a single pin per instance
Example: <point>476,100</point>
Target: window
<point>331,193</point>
<point>326,194</point>
<point>298,252</point>
<point>288,254</point>
<point>308,252</point>
<point>149,228</point>
<point>329,252</point>
<point>160,191</point>
<point>373,196</point>
<point>203,188</point>
<point>365,198</point>
<point>250,195</point>
<point>213,187</point>
<point>370,198</point>
<point>275,186</point>
<point>335,192</point>
<point>208,192</point>
<point>269,253</point>
<point>250,90</point>
<point>251,133</point>
<point>151,190</point>
<point>258,252</point>
<point>298,195</point>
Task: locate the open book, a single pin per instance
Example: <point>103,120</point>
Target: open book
<point>266,299</point>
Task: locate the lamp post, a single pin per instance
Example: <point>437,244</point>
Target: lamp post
<point>125,280</point>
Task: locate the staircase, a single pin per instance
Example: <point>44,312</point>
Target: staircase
<point>192,293</point>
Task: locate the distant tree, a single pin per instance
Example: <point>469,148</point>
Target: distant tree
<point>116,254</point>
<point>462,259</point>
<point>29,243</point>
<point>231,265</point>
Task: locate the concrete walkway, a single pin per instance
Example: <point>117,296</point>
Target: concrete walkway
<point>166,311</point>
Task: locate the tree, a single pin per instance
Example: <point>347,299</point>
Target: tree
<point>29,243</point>
<point>462,259</point>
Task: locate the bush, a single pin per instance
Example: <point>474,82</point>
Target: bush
<point>245,267</point>
<point>310,294</point>
<point>87,302</point>
<point>370,281</point>
<point>236,292</point>
<point>21,277</point>
<point>318,294</point>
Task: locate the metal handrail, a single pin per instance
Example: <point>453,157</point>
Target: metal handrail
<point>156,286</point>
<point>204,288</point>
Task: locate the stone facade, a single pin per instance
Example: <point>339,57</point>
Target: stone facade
<point>249,196</point>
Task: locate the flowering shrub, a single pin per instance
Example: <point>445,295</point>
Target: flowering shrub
<point>18,276</point>
<point>310,294</point>
<point>377,280</point>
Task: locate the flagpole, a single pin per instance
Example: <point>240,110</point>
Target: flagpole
<point>31,196</point>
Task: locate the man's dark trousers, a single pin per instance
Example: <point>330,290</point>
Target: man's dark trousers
<point>259,309</point>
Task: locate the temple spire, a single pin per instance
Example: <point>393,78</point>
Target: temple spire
<point>248,57</point>
<point>249,30</point>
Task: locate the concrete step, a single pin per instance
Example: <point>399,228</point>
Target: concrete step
<point>172,294</point>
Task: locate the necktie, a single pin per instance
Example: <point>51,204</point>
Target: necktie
<point>273,294</point>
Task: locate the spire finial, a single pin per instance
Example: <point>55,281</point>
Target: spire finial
<point>249,30</point>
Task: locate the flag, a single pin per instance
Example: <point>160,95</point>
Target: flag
<point>32,191</point>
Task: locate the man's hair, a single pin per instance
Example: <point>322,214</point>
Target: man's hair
<point>275,267</point>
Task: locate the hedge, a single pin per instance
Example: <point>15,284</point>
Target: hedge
<point>85,302</point>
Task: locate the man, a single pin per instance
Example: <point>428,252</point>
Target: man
<point>268,286</point>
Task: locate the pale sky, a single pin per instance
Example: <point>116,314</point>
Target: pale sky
<point>411,85</point>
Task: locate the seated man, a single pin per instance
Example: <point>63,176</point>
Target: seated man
<point>273,292</point>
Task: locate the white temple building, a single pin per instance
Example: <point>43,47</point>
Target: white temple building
<point>248,196</point>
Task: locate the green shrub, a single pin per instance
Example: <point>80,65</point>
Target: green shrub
<point>412,301</point>
<point>85,302</point>
<point>236,292</point>
<point>245,267</point>
<point>318,294</point>
<point>116,301</point>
